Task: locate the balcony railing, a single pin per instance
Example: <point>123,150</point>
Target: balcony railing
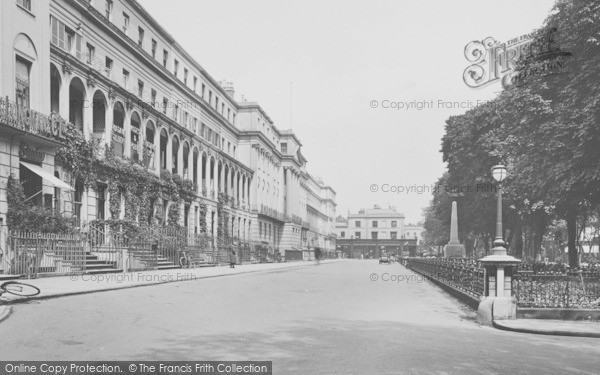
<point>52,127</point>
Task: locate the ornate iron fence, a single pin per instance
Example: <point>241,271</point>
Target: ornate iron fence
<point>572,290</point>
<point>461,274</point>
<point>580,289</point>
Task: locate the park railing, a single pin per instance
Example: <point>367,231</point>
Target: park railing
<point>571,290</point>
<point>543,289</point>
<point>461,274</point>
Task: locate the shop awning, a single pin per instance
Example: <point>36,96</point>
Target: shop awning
<point>46,176</point>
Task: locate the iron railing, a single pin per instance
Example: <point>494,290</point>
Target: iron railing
<point>461,274</point>
<point>580,289</point>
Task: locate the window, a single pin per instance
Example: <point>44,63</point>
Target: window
<point>374,224</point>
<point>195,125</point>
<point>153,97</point>
<point>90,54</point>
<point>357,235</point>
<point>175,112</point>
<point>165,57</point>
<point>394,224</point>
<point>185,119</point>
<point>342,234</point>
<point>65,37</point>
<point>153,48</point>
<point>202,130</point>
<point>284,150</point>
<point>108,11</point>
<point>394,235</point>
<point>25,4</point>
<point>234,151</point>
<point>175,68</point>
<point>125,22</point>
<point>203,89</point>
<point>216,102</point>
<point>108,64</point>
<point>195,83</point>
<point>229,147</point>
<point>228,113</point>
<point>233,120</point>
<point>22,82</point>
<point>222,109</point>
<point>140,37</point>
<point>165,105</point>
<point>185,75</point>
<point>125,78</point>
<point>373,235</point>
<point>140,89</point>
<point>209,97</point>
<point>357,224</point>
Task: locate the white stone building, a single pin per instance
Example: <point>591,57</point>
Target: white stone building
<point>110,69</point>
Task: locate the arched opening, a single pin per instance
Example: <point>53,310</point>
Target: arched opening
<point>186,160</point>
<point>135,136</point>
<point>164,139</point>
<point>212,177</point>
<point>149,145</point>
<point>76,101</point>
<point>204,173</point>
<point>98,113</point>
<point>226,180</point>
<point>174,154</point>
<point>55,83</point>
<point>195,167</point>
<point>219,174</point>
<point>118,133</point>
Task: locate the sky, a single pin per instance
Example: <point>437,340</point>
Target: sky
<point>328,70</point>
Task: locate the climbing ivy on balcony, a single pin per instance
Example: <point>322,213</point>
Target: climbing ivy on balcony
<point>139,187</point>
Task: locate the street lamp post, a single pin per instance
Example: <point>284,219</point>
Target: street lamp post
<point>499,174</point>
<point>498,302</point>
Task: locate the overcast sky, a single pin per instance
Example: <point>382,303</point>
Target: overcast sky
<point>316,66</point>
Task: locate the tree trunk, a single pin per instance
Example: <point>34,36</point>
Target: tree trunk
<point>572,239</point>
<point>518,240</point>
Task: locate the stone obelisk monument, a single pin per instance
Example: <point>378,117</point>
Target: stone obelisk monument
<point>454,249</point>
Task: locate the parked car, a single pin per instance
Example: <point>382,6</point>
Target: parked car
<point>384,259</point>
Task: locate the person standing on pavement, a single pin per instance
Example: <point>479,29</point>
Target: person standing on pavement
<point>232,258</point>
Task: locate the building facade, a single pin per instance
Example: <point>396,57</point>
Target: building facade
<point>109,69</point>
<point>371,231</point>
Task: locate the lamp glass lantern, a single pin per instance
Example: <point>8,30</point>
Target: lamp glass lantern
<point>499,172</point>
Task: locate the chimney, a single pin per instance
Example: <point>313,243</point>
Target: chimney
<point>228,87</point>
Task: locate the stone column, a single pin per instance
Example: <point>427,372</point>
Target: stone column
<point>454,249</point>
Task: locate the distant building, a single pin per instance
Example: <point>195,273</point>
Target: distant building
<point>371,231</point>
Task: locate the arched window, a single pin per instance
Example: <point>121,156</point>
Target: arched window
<point>25,56</point>
<point>118,133</point>
<point>55,83</point>
<point>98,113</point>
<point>135,136</point>
<point>76,101</point>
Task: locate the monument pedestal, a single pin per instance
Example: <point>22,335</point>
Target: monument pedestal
<point>454,250</point>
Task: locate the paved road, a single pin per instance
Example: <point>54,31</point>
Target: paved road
<point>326,319</point>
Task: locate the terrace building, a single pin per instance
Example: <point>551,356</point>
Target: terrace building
<point>109,69</point>
<point>371,231</point>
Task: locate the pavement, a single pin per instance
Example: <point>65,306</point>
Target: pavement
<point>343,317</point>
<point>577,328</point>
<point>60,286</point>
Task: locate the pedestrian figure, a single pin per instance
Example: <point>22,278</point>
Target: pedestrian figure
<point>232,258</point>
